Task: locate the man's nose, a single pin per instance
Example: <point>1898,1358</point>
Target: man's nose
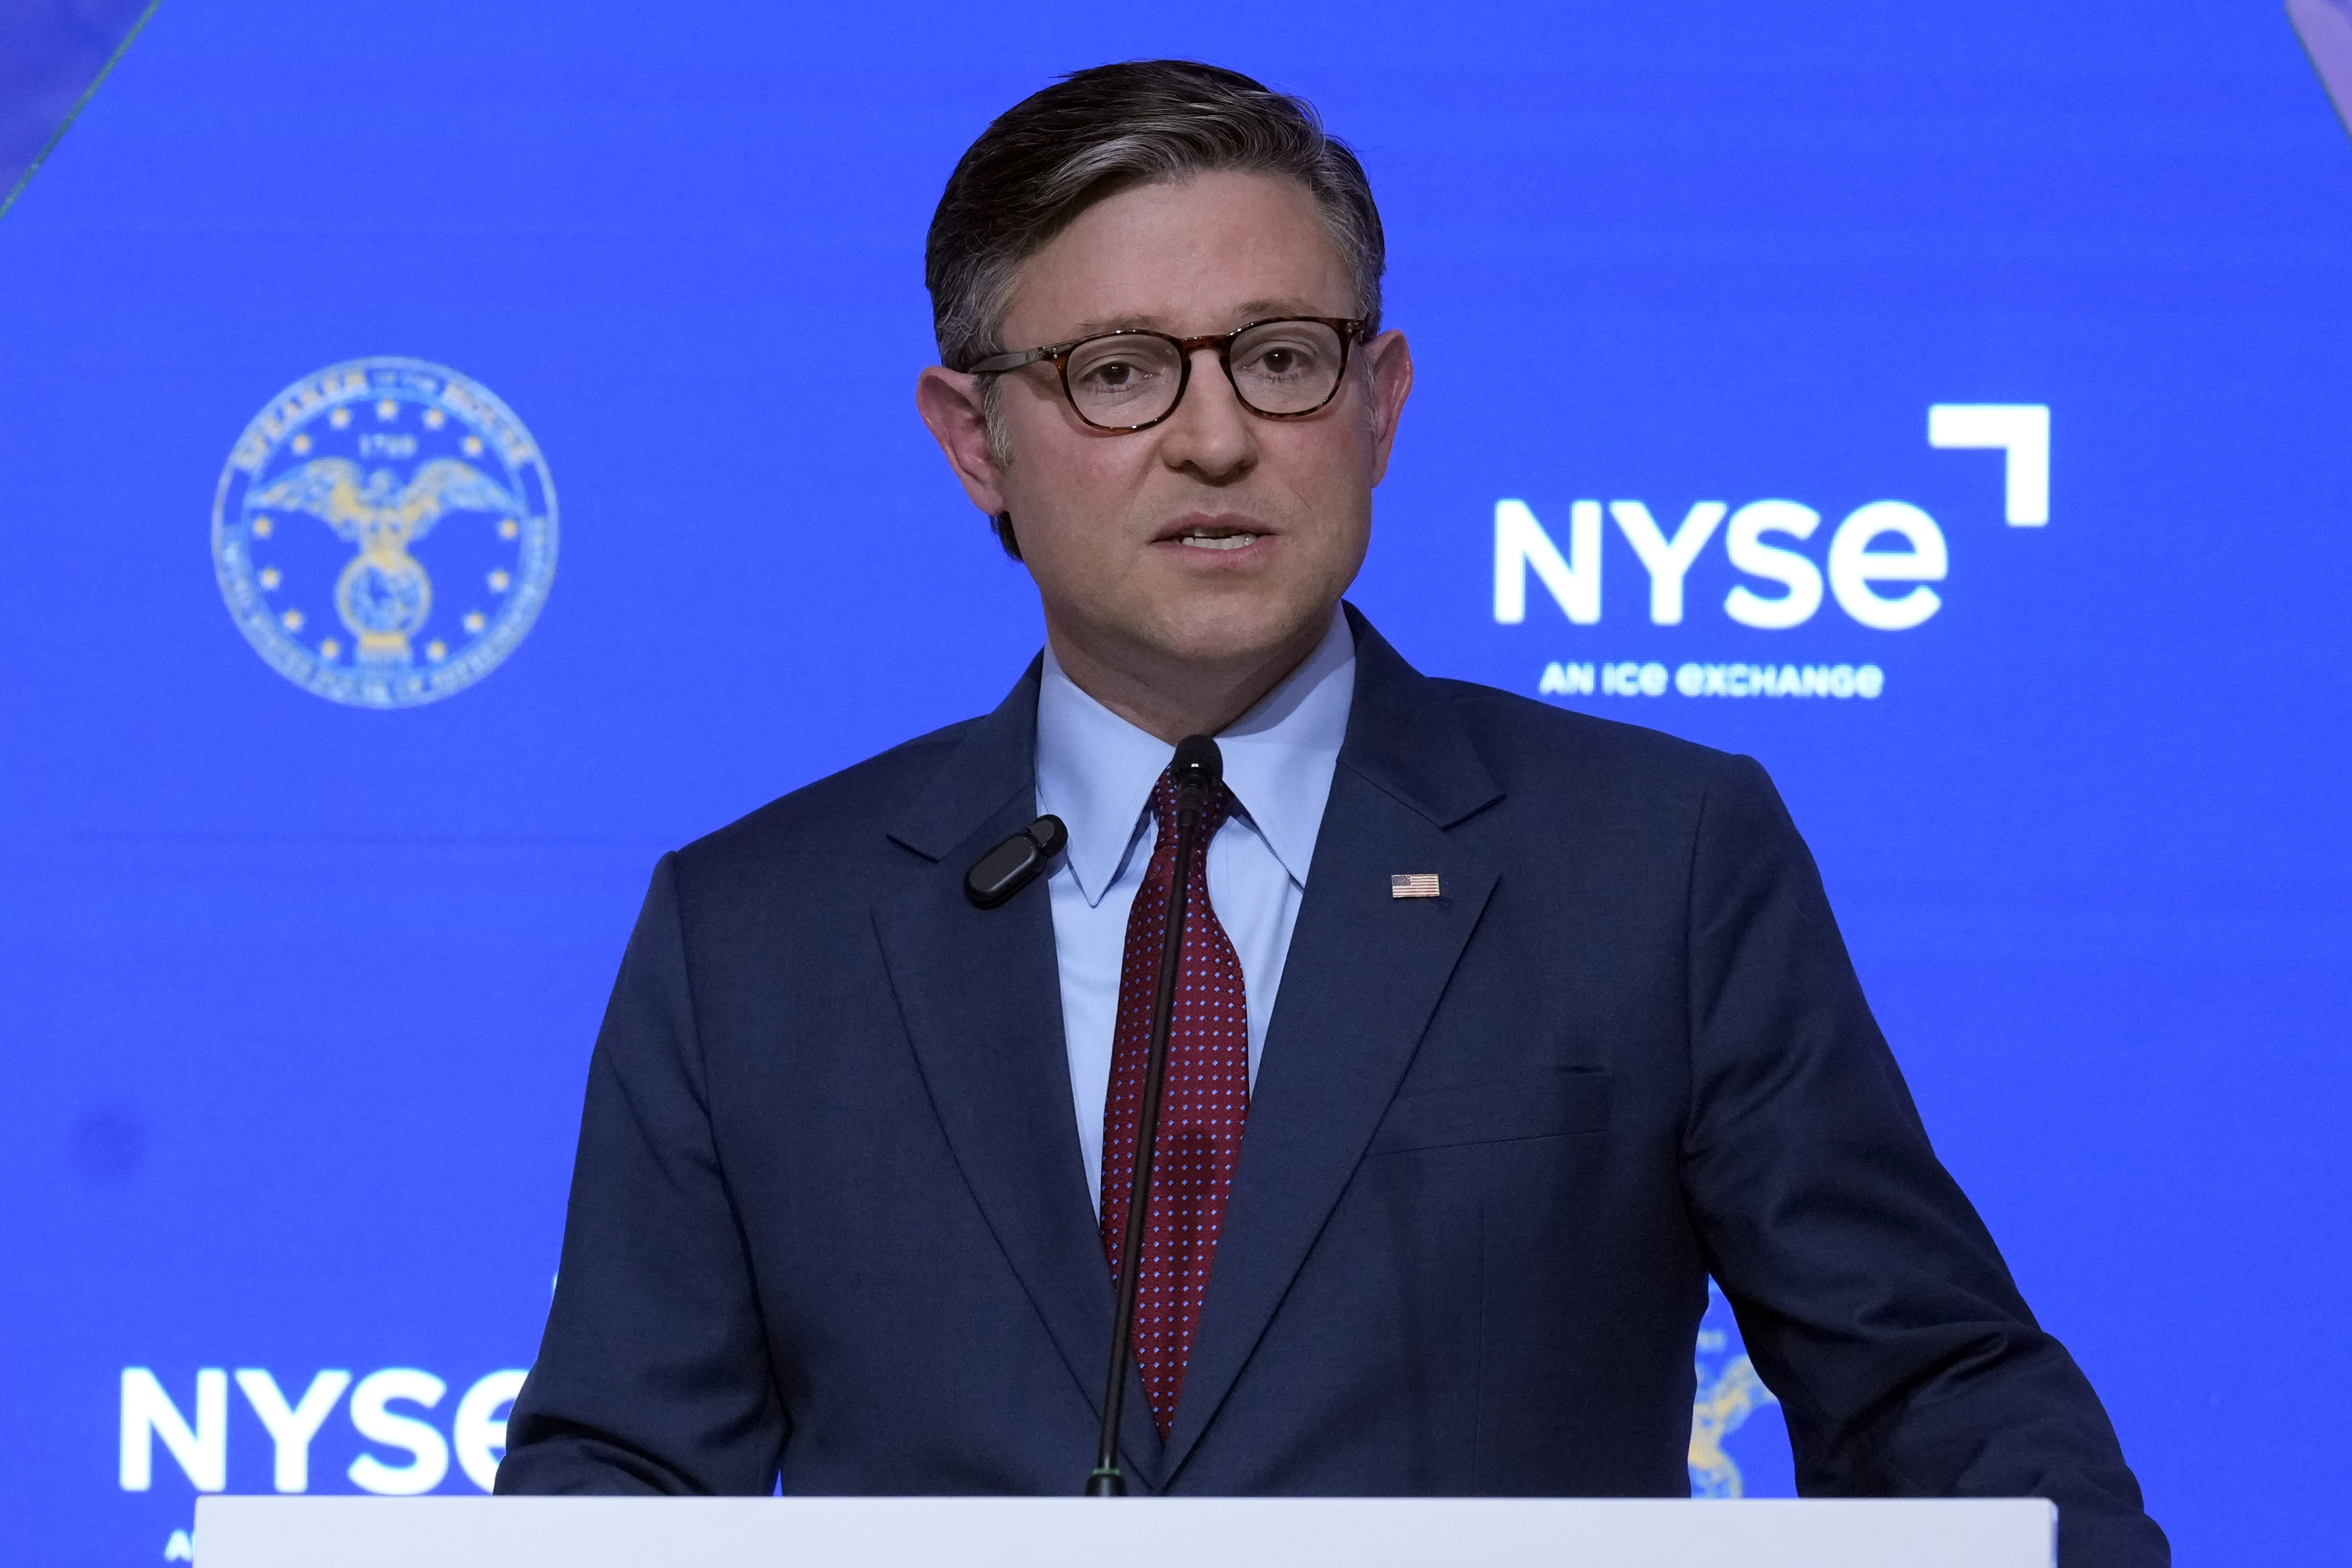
<point>1209,430</point>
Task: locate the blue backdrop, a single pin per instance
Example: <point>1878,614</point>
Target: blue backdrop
<point>299,989</point>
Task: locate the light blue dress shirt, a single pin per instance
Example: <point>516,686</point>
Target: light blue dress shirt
<point>1095,771</point>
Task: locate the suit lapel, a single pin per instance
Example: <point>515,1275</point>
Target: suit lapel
<point>979,994</point>
<point>1363,977</point>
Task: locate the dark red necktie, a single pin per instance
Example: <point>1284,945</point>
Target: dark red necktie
<point>1202,1108</point>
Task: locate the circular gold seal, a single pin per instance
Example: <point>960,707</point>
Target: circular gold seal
<point>320,521</point>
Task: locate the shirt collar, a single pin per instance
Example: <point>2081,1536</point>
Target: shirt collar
<point>1095,771</point>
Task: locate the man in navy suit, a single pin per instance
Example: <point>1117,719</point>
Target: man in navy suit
<point>1508,1027</point>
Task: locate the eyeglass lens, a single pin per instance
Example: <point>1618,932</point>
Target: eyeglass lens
<point>1279,367</point>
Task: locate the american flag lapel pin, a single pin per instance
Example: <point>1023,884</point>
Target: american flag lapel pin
<point>1413,885</point>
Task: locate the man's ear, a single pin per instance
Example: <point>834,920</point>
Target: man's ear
<point>1392,366</point>
<point>949,401</point>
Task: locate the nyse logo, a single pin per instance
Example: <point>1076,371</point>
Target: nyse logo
<point>477,1434</point>
<point>1878,567</point>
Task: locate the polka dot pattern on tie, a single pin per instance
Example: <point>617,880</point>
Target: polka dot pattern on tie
<point>1202,1107</point>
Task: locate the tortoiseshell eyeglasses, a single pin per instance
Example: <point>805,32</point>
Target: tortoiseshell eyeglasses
<point>1132,379</point>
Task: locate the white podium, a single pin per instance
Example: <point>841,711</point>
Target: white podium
<point>1139,1532</point>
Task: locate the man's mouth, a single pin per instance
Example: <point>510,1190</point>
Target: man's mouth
<point>1216,538</point>
<point>1215,530</point>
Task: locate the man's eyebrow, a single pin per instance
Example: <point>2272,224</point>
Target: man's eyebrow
<point>1259,309</point>
<point>1116,324</point>
<point>1245,313</point>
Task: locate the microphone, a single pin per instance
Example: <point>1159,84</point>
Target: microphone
<point>1014,864</point>
<point>1197,771</point>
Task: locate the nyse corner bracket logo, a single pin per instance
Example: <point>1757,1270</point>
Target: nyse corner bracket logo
<point>321,521</point>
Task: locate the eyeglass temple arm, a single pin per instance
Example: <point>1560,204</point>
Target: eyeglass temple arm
<point>997,365</point>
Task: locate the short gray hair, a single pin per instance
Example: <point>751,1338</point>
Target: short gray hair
<point>1097,132</point>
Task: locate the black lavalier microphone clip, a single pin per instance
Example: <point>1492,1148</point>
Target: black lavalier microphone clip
<point>1015,864</point>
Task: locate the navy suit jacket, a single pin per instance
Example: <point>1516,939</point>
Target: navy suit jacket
<point>828,1221</point>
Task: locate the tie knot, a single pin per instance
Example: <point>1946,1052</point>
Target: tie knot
<point>1163,806</point>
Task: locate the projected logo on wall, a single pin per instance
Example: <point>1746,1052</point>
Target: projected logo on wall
<point>321,514</point>
<point>1880,562</point>
<point>1728,1392</point>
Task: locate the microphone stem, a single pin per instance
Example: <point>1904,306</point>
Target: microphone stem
<point>1108,1481</point>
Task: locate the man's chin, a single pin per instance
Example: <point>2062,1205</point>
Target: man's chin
<point>1230,634</point>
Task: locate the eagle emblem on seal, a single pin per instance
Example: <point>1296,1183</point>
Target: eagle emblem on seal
<point>383,595</point>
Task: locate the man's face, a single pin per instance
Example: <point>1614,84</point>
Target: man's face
<point>1216,538</point>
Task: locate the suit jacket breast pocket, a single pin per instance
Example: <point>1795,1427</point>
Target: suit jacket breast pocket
<point>1527,1105</point>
